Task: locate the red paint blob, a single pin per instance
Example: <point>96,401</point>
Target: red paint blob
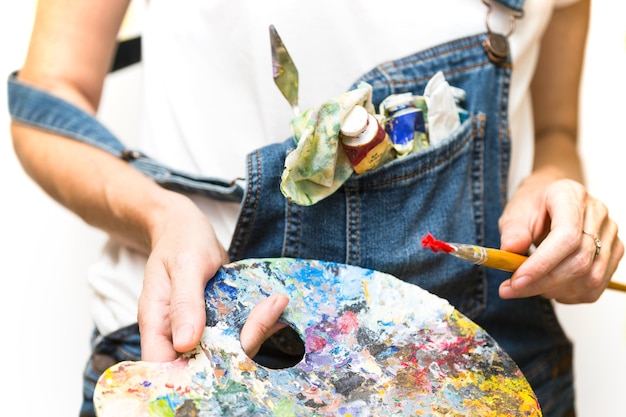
<point>435,245</point>
<point>348,323</point>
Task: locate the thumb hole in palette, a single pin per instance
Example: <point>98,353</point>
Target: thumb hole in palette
<point>283,349</point>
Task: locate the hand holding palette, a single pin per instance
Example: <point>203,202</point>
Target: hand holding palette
<point>374,346</point>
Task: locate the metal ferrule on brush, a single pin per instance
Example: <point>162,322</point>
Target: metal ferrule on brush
<point>475,254</point>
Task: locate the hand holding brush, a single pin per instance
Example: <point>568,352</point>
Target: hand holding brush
<point>489,257</point>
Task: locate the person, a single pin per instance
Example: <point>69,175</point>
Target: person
<point>209,100</point>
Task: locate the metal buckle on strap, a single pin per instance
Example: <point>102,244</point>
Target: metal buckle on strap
<point>497,44</point>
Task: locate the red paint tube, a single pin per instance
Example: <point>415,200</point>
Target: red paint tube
<point>365,142</point>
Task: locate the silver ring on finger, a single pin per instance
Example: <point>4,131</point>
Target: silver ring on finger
<point>597,242</point>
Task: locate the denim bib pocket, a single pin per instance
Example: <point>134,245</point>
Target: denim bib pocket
<point>377,220</point>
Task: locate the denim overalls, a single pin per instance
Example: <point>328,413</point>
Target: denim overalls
<point>455,190</point>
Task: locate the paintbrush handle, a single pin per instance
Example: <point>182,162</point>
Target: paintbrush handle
<point>492,258</point>
<point>503,260</point>
<point>617,286</point>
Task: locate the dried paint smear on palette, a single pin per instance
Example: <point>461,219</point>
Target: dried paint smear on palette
<point>374,346</point>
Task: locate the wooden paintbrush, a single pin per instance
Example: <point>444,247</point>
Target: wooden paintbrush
<point>492,258</point>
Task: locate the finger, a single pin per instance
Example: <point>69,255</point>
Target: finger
<point>565,203</point>
<point>153,316</point>
<point>515,236</point>
<point>262,323</point>
<point>596,217</point>
<point>156,345</point>
<point>189,276</point>
<point>581,277</point>
<point>603,266</point>
<point>553,265</point>
<point>617,253</point>
<point>589,273</point>
<point>515,227</point>
<point>596,221</point>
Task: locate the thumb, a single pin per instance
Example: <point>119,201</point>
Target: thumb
<point>188,319</point>
<point>187,306</point>
<point>262,323</point>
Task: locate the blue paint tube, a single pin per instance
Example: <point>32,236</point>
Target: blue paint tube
<point>401,129</point>
<point>421,132</point>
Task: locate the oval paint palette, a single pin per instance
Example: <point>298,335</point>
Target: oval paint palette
<point>374,346</point>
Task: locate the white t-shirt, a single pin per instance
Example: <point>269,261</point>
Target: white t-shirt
<point>210,99</point>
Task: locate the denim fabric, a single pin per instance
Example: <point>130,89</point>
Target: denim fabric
<point>512,4</point>
<point>122,345</point>
<point>40,109</point>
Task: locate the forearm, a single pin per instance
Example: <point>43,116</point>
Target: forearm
<point>69,56</point>
<point>556,156</point>
<point>555,92</point>
<point>103,190</point>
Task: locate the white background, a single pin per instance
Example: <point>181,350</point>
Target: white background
<point>45,250</point>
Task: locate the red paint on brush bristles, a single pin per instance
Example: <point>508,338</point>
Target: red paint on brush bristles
<point>435,245</point>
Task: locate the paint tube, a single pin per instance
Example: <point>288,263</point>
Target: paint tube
<point>365,142</point>
<point>400,121</point>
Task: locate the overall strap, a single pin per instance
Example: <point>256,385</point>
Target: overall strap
<point>42,110</point>
<point>516,5</point>
<point>497,44</point>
